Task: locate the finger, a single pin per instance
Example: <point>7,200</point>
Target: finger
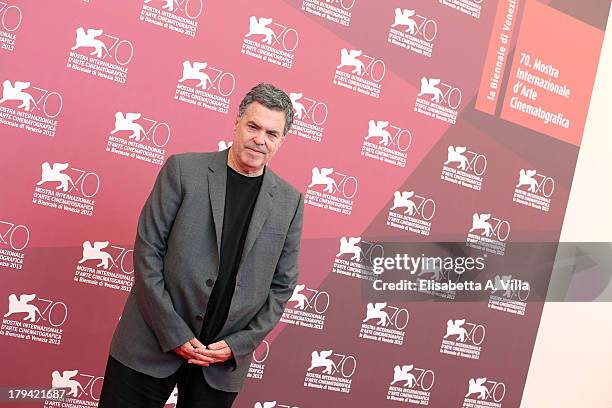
<point>181,347</point>
<point>196,343</point>
<point>214,353</point>
<point>203,351</point>
<point>207,352</point>
<point>201,363</point>
<point>198,362</point>
<point>189,351</point>
<point>218,345</point>
<point>217,348</point>
<point>202,357</point>
<point>183,355</point>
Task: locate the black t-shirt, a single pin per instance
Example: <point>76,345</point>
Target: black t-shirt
<point>240,195</point>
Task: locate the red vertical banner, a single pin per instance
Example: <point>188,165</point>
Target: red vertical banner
<point>497,55</point>
<point>552,75</point>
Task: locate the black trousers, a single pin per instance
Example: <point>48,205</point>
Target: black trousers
<point>124,387</point>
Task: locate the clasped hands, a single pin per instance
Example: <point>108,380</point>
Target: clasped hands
<point>197,353</point>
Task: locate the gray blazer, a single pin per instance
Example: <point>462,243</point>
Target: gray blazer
<point>177,250</point>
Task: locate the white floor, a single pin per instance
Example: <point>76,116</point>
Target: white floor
<point>572,360</point>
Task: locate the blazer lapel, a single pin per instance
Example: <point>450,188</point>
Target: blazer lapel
<point>263,207</point>
<point>217,180</point>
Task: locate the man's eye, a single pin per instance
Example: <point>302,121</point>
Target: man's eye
<point>251,127</point>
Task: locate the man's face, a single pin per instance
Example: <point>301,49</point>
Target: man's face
<point>258,134</point>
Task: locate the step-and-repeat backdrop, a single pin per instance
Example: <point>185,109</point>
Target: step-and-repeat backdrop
<point>455,121</point>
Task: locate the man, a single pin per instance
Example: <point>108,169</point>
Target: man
<point>215,261</point>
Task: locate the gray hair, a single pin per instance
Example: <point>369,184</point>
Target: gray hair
<point>272,98</point>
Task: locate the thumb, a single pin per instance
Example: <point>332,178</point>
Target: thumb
<point>218,345</point>
<point>197,343</point>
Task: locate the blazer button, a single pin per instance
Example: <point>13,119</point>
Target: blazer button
<point>200,317</point>
<point>209,282</point>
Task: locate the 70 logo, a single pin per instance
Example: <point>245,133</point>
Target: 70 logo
<point>187,7</point>
<point>425,378</point>
<point>49,102</point>
<point>347,185</point>
<point>91,39</point>
<point>450,92</point>
<point>115,262</point>
<point>55,313</point>
<point>538,183</point>
<point>223,82</point>
<point>152,132</point>
<point>89,390</point>
<point>475,334</point>
<point>70,184</point>
<point>520,294</point>
<point>442,274</point>
<point>399,318</point>
<point>345,4</point>
<point>121,58</point>
<point>511,292</point>
<point>415,205</point>
<point>426,207</point>
<point>372,251</point>
<point>80,182</point>
<point>441,92</point>
<point>377,74</point>
<point>343,364</point>
<point>425,27</point>
<point>55,319</point>
<point>10,17</point>
<point>545,185</point>
<point>314,110</point>
<point>495,391</point>
<point>396,138</point>
<point>500,228</point>
<point>474,161</point>
<point>285,36</point>
<point>317,300</point>
<point>378,129</point>
<point>15,236</point>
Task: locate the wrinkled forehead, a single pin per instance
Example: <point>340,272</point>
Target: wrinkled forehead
<point>271,120</point>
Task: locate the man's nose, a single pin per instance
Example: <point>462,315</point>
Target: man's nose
<point>260,138</point>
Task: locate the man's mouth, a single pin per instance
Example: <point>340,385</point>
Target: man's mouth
<point>255,150</point>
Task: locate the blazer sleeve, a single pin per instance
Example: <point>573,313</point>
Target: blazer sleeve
<point>245,341</point>
<point>154,225</point>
